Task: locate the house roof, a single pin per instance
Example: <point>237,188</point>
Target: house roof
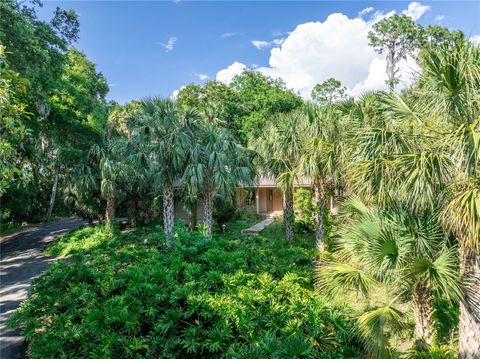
<point>264,181</point>
<point>269,181</point>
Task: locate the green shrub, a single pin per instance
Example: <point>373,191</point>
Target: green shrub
<point>224,211</point>
<point>431,352</point>
<point>305,211</point>
<point>127,296</point>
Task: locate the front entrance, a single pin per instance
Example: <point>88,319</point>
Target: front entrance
<point>269,200</point>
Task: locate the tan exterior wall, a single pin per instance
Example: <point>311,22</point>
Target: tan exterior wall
<point>269,200</point>
<point>277,200</point>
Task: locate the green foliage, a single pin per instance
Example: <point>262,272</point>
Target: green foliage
<point>12,129</point>
<point>64,96</point>
<point>217,103</point>
<point>432,352</point>
<point>304,209</point>
<point>224,210</point>
<point>397,36</point>
<point>407,253</point>
<point>446,318</point>
<point>126,295</point>
<point>328,92</point>
<point>37,47</point>
<point>260,98</point>
<point>78,241</point>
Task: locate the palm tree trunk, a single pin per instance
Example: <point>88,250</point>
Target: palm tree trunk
<point>168,211</point>
<point>288,214</point>
<point>319,195</point>
<point>423,313</point>
<point>110,211</point>
<point>208,211</point>
<point>469,324</point>
<point>53,196</point>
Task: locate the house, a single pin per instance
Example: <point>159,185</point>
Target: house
<point>263,197</point>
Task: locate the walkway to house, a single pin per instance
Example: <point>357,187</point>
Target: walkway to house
<point>260,226</point>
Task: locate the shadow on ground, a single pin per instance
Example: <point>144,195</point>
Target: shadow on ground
<point>21,261</point>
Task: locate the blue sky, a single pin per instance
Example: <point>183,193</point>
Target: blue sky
<point>154,48</point>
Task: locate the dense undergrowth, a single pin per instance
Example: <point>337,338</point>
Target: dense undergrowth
<point>125,295</point>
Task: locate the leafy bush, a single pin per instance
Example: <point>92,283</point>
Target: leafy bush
<point>224,210</point>
<point>305,211</point>
<point>431,352</point>
<point>126,295</point>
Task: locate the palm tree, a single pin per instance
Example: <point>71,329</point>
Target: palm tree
<point>217,164</point>
<point>322,158</point>
<point>164,131</point>
<point>280,146</point>
<point>406,252</point>
<point>112,172</point>
<point>447,107</point>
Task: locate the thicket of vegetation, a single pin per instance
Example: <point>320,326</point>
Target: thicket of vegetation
<point>394,204</point>
<point>130,295</point>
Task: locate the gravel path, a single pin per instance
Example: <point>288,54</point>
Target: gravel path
<point>21,261</point>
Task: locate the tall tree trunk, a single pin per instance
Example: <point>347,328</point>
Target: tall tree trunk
<point>288,213</point>
<point>110,211</point>
<point>208,211</point>
<point>391,67</point>
<point>423,313</point>
<point>319,197</point>
<point>168,211</point>
<point>469,325</point>
<point>53,196</point>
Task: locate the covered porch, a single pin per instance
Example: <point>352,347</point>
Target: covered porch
<point>262,200</point>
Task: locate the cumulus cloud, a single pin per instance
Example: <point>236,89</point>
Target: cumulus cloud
<point>174,94</point>
<point>415,10</point>
<point>202,76</point>
<point>168,46</point>
<point>366,11</point>
<point>316,51</point>
<point>337,47</point>
<point>226,75</point>
<point>475,40</point>
<point>439,18</point>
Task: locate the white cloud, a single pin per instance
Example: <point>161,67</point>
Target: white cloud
<point>174,94</point>
<point>439,18</point>
<point>202,77</point>
<point>229,34</point>
<point>415,10</point>
<point>366,11</point>
<point>226,75</point>
<point>278,42</point>
<point>316,51</point>
<point>260,44</point>
<point>169,45</point>
<point>379,15</point>
<point>376,77</point>
<point>337,47</point>
<point>475,39</point>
